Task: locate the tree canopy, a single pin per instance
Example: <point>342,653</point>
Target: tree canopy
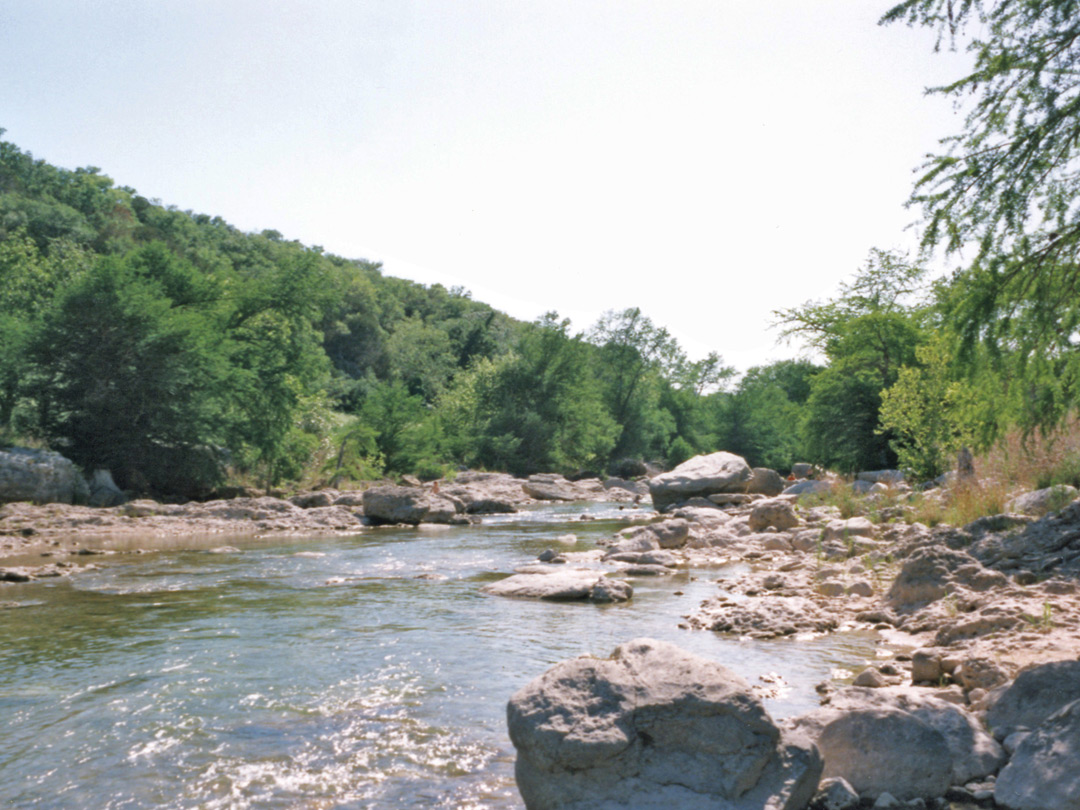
<point>1006,188</point>
<point>131,332</point>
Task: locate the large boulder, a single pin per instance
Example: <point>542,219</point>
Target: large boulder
<point>1043,501</point>
<point>774,513</point>
<point>485,493</point>
<point>1036,694</point>
<point>39,476</point>
<point>879,750</point>
<point>972,752</point>
<point>653,727</point>
<point>103,490</point>
<point>932,572</point>
<point>1043,772</point>
<point>392,504</point>
<point>550,487</point>
<point>490,506</point>
<point>668,534</point>
<point>844,530</point>
<point>700,476</point>
<point>764,481</point>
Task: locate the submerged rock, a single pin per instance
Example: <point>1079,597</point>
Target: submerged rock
<point>653,727</point>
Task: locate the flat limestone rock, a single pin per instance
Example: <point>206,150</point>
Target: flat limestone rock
<point>762,617</point>
<point>562,585</point>
<point>552,491</point>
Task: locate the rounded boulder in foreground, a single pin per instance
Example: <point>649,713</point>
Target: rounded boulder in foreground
<point>1044,772</point>
<point>653,726</point>
<point>887,751</point>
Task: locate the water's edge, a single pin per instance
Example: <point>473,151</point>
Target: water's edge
<point>350,672</point>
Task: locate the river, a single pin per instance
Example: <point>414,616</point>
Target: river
<point>340,672</point>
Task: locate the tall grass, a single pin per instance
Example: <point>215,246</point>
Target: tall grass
<point>1036,461</point>
<point>839,496</point>
<point>1016,464</point>
<point>969,501</point>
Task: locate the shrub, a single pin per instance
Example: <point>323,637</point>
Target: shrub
<point>680,451</point>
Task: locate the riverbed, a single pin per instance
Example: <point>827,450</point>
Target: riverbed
<point>366,671</point>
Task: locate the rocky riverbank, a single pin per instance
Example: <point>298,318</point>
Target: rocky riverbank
<point>940,719</point>
<point>972,619</point>
<point>654,726</point>
<point>28,531</point>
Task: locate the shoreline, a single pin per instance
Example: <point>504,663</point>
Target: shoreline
<point>28,530</point>
<point>32,533</point>
<point>803,580</point>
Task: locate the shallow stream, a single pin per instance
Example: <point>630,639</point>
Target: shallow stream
<point>343,672</point>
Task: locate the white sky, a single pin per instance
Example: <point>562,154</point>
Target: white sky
<point>709,162</point>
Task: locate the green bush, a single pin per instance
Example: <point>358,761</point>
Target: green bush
<point>680,451</point>
<point>1066,472</point>
<point>428,469</point>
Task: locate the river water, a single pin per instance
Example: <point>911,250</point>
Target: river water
<point>341,672</point>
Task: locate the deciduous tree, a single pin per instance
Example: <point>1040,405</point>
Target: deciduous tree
<point>1005,188</point>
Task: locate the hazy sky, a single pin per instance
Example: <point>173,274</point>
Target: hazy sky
<point>709,162</point>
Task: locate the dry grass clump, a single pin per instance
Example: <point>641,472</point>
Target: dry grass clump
<point>1036,461</point>
<point>1016,464</point>
<point>840,496</point>
<point>960,503</point>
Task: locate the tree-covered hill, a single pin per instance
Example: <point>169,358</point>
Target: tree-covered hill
<point>169,347</point>
<point>179,352</point>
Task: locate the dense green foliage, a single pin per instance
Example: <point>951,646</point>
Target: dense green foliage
<point>868,334</point>
<point>929,412</point>
<point>1005,189</point>
<point>132,334</point>
<point>172,349</point>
